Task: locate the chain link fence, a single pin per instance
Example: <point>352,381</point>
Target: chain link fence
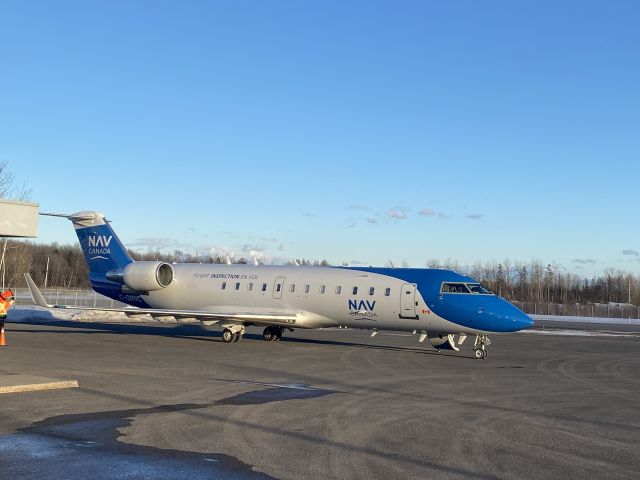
<point>599,310</point>
<point>68,297</point>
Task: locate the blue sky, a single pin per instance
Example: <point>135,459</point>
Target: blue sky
<point>354,131</point>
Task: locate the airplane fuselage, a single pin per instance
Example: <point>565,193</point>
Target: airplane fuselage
<point>367,298</point>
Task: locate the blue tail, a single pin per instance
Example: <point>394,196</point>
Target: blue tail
<point>102,248</point>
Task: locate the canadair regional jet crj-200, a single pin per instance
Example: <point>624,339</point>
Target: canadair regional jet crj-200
<point>437,304</point>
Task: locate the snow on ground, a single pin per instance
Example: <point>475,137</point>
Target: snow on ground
<point>31,312</point>
<point>573,319</point>
<point>580,333</point>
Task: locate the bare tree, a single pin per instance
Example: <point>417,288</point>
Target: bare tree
<point>8,188</point>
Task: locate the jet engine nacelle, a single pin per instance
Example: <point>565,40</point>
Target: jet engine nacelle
<point>443,341</point>
<point>143,276</point>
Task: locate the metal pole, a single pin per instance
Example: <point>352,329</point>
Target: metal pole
<point>2,265</point>
<point>46,274</point>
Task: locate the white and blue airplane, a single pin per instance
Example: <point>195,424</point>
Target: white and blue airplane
<point>441,305</point>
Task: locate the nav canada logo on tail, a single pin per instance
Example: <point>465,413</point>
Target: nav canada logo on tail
<point>99,246</point>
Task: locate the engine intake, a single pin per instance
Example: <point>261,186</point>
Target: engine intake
<point>143,276</point>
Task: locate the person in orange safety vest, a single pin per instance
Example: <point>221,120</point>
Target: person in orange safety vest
<point>6,301</point>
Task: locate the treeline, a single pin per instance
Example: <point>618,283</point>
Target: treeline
<point>536,281</point>
<point>532,281</point>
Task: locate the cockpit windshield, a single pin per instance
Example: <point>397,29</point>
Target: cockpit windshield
<point>459,287</point>
<point>478,288</point>
<point>451,287</point>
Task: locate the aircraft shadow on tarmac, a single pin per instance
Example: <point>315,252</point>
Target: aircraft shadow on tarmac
<point>194,332</point>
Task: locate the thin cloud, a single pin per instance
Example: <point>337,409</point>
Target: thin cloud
<point>371,220</point>
<point>475,216</point>
<point>359,206</point>
<point>357,262</point>
<point>307,214</point>
<point>584,261</point>
<point>399,213</point>
<point>630,252</point>
<point>157,243</point>
<point>427,212</point>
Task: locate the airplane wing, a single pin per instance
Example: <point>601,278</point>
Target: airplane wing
<point>268,318</point>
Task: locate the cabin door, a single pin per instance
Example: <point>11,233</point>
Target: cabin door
<point>408,301</point>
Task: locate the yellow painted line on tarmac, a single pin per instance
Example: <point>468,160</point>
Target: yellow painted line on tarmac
<point>27,383</point>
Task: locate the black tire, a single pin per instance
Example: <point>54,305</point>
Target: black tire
<point>278,332</point>
<point>237,337</point>
<point>268,334</point>
<point>479,353</point>
<point>227,336</point>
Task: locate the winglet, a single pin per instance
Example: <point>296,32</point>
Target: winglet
<point>37,297</point>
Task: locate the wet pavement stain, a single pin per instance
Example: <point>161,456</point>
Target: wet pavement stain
<point>275,393</point>
<point>85,446</point>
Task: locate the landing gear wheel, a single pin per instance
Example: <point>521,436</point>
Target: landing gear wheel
<point>269,334</point>
<point>279,332</point>
<point>228,336</point>
<point>480,346</point>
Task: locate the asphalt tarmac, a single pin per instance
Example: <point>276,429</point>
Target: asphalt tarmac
<point>171,401</point>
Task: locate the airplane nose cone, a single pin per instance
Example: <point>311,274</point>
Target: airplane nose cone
<point>513,319</point>
<point>522,320</point>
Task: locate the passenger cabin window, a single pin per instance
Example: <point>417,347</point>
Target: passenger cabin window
<point>238,286</point>
<point>278,287</point>
<point>387,292</point>
<point>306,288</point>
<point>250,286</point>
<point>478,288</point>
<point>454,288</point>
<point>372,291</point>
<point>355,290</point>
<point>224,285</point>
<point>322,288</point>
<point>292,287</point>
<point>338,290</point>
<point>264,287</point>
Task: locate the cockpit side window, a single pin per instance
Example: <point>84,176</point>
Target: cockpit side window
<point>451,287</point>
<point>478,288</point>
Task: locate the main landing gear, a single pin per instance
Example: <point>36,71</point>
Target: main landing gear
<point>480,346</point>
<point>232,334</point>
<point>272,333</point>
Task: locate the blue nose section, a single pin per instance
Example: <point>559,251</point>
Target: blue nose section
<point>521,320</point>
<point>505,317</point>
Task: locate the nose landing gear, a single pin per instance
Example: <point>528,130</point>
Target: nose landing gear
<point>480,346</point>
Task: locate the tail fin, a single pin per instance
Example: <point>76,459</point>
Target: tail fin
<point>102,248</point>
